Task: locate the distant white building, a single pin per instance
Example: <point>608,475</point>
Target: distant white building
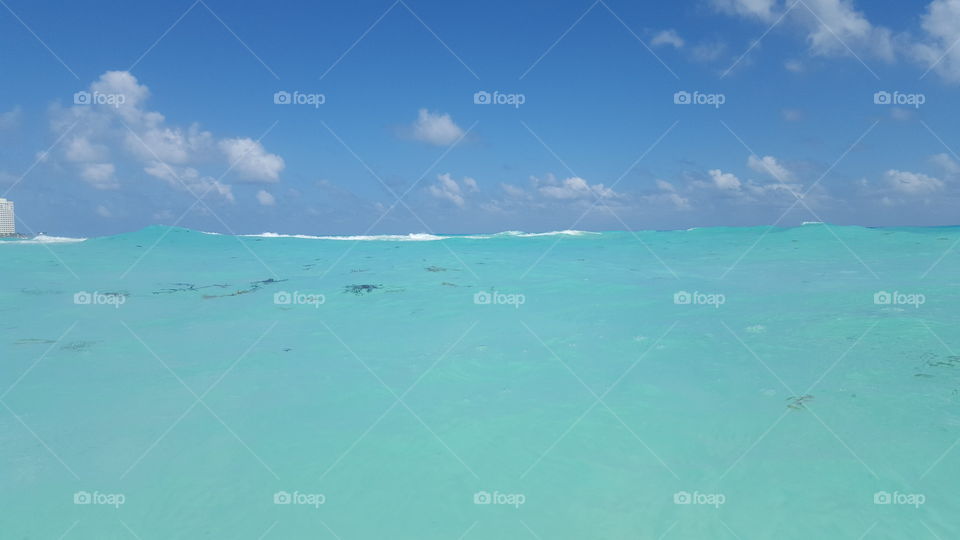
<point>7,224</point>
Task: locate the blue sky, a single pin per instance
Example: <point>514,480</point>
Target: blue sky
<point>598,142</point>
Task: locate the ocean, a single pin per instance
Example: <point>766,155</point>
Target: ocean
<point>711,383</point>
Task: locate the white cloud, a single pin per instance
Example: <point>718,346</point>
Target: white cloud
<point>252,161</point>
<point>913,183</point>
<point>668,194</point>
<point>573,188</point>
<point>792,115</point>
<point>838,26</point>
<point>436,128</point>
<point>761,9</point>
<point>514,191</point>
<point>189,179</point>
<point>946,163</point>
<point>10,119</point>
<point>171,145</point>
<point>80,149</point>
<point>100,175</point>
<point>103,211</point>
<point>667,37</point>
<point>937,49</point>
<point>265,198</point>
<point>138,137</point>
<point>448,189</point>
<point>722,180</point>
<point>770,166</point>
<point>794,66</point>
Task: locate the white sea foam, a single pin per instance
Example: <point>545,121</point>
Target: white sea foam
<point>413,237</point>
<point>418,237</point>
<point>44,239</point>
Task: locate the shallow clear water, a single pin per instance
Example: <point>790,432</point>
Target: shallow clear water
<point>582,390</point>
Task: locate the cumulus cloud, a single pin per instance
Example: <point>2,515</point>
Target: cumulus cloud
<point>834,25</point>
<point>760,9</point>
<point>100,175</point>
<point>10,119</point>
<point>80,149</point>
<point>265,198</point>
<point>668,195</point>
<point>667,37</point>
<point>912,183</point>
<point>448,189</point>
<point>189,179</point>
<point>752,191</point>
<point>794,66</point>
<point>252,161</point>
<point>770,166</point>
<point>120,131</point>
<point>574,188</point>
<point>838,28</point>
<point>937,49</point>
<point>435,128</point>
<point>722,180</point>
<point>946,163</point>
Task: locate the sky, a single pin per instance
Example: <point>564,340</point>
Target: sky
<point>404,116</point>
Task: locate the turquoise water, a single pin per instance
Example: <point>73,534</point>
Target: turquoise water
<point>187,394</point>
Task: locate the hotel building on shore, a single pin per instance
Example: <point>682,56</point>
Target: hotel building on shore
<point>7,224</point>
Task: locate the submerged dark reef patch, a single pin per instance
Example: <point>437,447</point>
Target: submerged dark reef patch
<point>361,289</point>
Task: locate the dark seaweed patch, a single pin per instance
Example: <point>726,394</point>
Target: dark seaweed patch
<point>189,287</point>
<point>361,289</point>
<point>799,402</point>
<point>31,341</point>
<point>254,286</point>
